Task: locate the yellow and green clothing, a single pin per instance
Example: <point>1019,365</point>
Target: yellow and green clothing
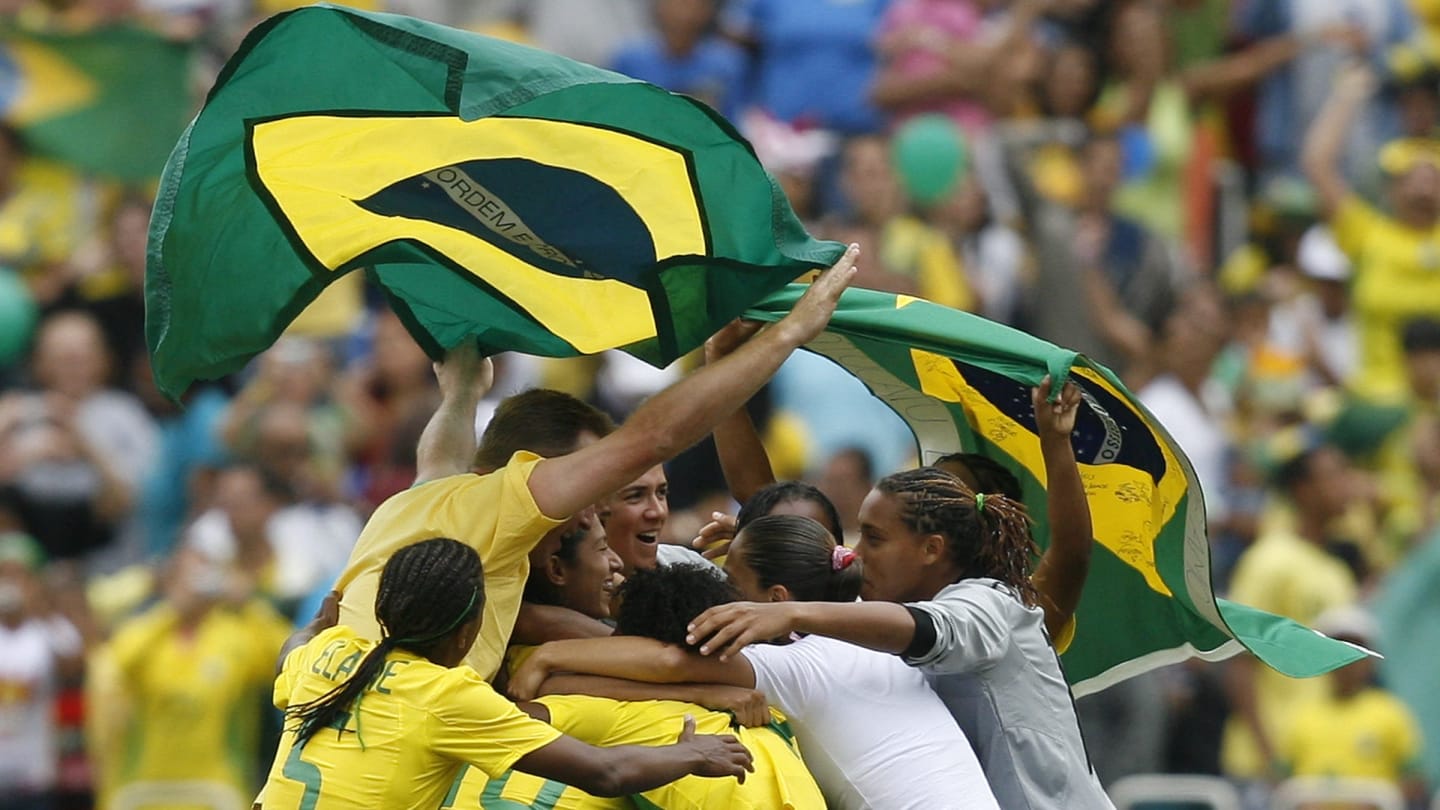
<point>1397,279</point>
<point>494,514</point>
<point>195,695</point>
<point>780,779</point>
<point>1289,576</point>
<point>1371,735</point>
<point>404,741</point>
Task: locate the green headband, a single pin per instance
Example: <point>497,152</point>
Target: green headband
<point>474,595</point>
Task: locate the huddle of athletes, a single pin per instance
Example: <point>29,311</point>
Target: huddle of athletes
<point>917,670</point>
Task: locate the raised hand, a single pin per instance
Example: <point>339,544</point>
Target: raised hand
<point>727,629</point>
<point>719,755</point>
<point>465,373</point>
<point>812,312</point>
<point>713,540</point>
<point>1055,419</point>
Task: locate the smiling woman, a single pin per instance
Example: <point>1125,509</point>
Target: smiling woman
<point>635,518</point>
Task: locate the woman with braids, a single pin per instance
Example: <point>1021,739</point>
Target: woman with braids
<point>1060,575</point>
<point>948,589</point>
<point>390,724</point>
<point>874,735</point>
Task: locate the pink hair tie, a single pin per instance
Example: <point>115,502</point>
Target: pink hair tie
<point>841,558</point>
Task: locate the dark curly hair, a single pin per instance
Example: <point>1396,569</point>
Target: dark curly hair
<point>662,602</point>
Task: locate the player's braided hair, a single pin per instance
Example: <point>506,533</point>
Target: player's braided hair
<point>987,535</point>
<point>427,592</point>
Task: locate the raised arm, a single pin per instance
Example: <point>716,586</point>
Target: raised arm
<point>1229,74</point>
<point>685,412</point>
<point>1326,139</point>
<point>743,459</point>
<point>1060,576</point>
<point>448,443</point>
<point>629,658</point>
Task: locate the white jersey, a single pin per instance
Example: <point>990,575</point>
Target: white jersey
<point>28,653</point>
<point>872,732</point>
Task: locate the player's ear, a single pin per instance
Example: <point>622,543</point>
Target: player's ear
<point>555,570</point>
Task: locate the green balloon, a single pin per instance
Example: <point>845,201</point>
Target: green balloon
<point>930,157</point>
<point>17,316</point>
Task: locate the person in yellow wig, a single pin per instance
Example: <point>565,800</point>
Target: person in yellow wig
<point>1396,255</point>
<point>391,723</point>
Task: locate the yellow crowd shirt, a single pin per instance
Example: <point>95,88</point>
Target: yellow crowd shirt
<point>779,782</point>
<point>1397,279</point>
<point>406,739</point>
<point>195,696</point>
<point>912,248</point>
<point>493,514</point>
<point>1371,735</point>
<point>1283,574</point>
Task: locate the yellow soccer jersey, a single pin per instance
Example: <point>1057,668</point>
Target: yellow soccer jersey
<point>405,741</point>
<point>1397,279</point>
<point>513,790</point>
<point>493,514</point>
<point>1283,574</point>
<point>195,696</point>
<point>1370,736</point>
<point>780,779</point>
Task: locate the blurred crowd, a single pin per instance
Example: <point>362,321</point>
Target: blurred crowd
<point>1234,204</point>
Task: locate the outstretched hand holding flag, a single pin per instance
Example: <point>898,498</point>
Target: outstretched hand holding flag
<point>963,383</point>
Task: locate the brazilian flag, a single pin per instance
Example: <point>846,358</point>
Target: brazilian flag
<point>962,384</point>
<point>492,191</point>
<point>110,101</point>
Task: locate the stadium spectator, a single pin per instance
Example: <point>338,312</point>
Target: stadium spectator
<point>684,55</point>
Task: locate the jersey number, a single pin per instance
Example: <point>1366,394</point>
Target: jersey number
<point>490,798</point>
<point>306,774</point>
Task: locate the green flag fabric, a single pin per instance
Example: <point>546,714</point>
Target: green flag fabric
<point>111,101</point>
<point>492,191</point>
<point>962,384</point>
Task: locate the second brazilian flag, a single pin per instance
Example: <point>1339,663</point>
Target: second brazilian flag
<point>494,191</point>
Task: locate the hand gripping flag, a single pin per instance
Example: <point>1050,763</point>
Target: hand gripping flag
<point>491,190</point>
<point>962,384</point>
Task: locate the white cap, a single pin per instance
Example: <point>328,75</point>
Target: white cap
<point>1350,622</point>
<point>1320,257</point>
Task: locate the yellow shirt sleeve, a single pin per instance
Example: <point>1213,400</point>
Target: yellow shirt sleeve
<point>1066,636</point>
<point>468,721</point>
<point>1352,223</point>
<point>494,514</point>
<point>586,718</point>
<point>129,647</point>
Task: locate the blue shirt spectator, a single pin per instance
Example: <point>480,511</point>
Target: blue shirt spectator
<point>814,59</point>
<point>189,443</point>
<point>684,56</point>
